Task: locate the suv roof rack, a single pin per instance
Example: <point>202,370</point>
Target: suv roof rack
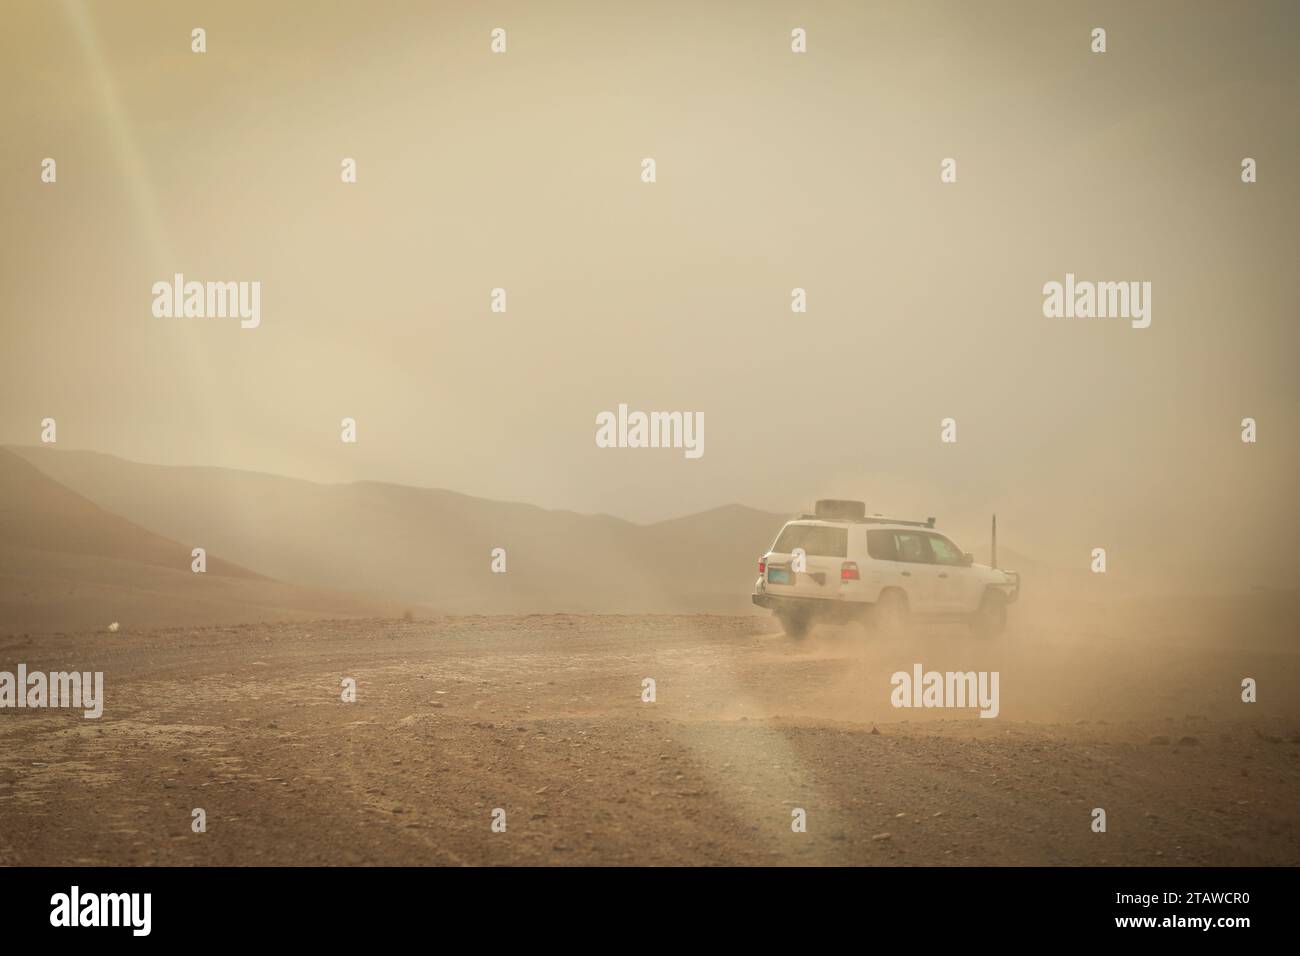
<point>872,519</point>
<point>880,519</point>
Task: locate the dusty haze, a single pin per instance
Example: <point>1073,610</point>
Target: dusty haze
<point>775,171</point>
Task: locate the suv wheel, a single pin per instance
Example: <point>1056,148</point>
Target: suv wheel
<point>890,615</point>
<point>991,618</point>
<point>794,623</point>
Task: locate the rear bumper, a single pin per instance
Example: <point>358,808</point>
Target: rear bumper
<point>817,607</point>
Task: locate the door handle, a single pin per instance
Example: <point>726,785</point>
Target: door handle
<point>943,574</point>
<point>907,574</point>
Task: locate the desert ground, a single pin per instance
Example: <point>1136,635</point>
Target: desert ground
<point>1135,709</point>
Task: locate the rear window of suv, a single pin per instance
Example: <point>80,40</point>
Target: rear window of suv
<point>814,539</point>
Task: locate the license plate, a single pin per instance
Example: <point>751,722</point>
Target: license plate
<point>778,576</point>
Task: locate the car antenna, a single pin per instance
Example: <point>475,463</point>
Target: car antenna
<point>995,541</point>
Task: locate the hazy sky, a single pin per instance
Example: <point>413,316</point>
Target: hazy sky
<point>775,170</point>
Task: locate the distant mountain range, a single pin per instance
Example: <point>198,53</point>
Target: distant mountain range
<point>424,549</point>
<point>68,564</point>
<point>85,537</point>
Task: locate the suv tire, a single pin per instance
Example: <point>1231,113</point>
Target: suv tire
<point>991,618</point>
<point>890,616</point>
<point>794,623</point>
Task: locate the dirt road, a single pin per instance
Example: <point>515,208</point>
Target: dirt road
<point>1137,713</point>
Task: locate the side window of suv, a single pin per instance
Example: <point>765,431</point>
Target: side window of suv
<point>880,545</point>
<point>912,547</point>
<point>945,552</point>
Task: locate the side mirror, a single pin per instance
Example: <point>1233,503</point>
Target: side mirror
<point>967,559</point>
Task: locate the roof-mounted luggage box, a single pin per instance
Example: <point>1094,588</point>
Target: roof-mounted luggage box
<point>839,509</point>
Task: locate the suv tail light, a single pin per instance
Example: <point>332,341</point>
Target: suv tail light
<point>849,571</point>
<point>762,565</point>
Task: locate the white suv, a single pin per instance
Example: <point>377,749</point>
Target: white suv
<point>841,564</point>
